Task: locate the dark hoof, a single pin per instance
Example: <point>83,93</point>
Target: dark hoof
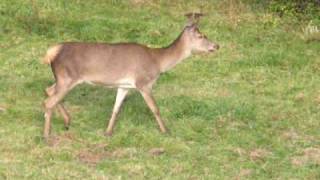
<point>46,139</point>
<point>166,132</point>
<point>66,128</point>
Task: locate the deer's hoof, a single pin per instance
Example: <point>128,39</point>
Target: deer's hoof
<point>165,132</point>
<point>66,128</point>
<point>108,133</point>
<point>46,139</point>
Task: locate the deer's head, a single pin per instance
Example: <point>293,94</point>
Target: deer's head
<point>197,41</point>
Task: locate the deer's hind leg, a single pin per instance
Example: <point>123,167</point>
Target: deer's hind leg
<point>61,89</point>
<point>66,117</point>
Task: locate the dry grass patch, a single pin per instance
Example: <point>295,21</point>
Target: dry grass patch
<point>243,174</point>
<point>223,93</point>
<point>317,99</point>
<point>300,96</point>
<point>259,154</point>
<point>290,135</point>
<point>124,153</point>
<point>310,32</point>
<point>234,11</point>
<point>293,137</point>
<point>178,168</point>
<point>2,109</point>
<point>241,152</point>
<point>309,156</point>
<point>135,170</point>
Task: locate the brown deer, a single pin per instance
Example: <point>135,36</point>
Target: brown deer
<point>124,66</point>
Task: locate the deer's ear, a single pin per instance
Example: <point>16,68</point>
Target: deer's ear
<point>193,18</point>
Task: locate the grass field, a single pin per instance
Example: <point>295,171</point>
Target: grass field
<point>249,111</point>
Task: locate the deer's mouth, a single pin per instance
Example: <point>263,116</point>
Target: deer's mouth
<point>214,48</point>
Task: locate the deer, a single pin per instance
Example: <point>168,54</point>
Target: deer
<point>124,66</point>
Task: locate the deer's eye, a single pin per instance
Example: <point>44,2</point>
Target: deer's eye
<point>200,36</point>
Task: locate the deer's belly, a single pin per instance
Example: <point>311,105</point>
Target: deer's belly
<point>126,83</point>
<point>120,83</point>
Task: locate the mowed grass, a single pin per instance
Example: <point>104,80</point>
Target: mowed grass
<point>249,111</point>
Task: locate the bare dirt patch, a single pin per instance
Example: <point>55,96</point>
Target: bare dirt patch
<point>277,117</point>
<point>92,158</point>
<point>57,140</point>
<point>53,141</point>
<point>156,151</point>
<point>93,154</point>
<point>96,153</point>
<point>90,154</point>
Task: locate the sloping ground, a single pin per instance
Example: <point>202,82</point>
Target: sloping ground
<point>250,111</point>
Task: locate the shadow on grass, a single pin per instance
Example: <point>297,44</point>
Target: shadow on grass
<point>91,107</point>
<point>188,107</point>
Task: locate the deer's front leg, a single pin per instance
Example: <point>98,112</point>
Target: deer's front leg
<point>121,94</point>
<point>147,96</point>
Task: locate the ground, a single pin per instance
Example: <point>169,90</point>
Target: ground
<point>249,111</point>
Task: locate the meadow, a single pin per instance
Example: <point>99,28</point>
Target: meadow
<point>249,111</point>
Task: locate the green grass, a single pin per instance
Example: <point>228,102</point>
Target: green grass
<point>248,111</point>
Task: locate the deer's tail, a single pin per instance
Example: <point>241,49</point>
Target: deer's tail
<point>52,54</point>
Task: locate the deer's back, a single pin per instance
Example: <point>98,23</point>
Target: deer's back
<point>105,63</point>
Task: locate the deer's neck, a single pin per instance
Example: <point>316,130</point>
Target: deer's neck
<point>170,56</point>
